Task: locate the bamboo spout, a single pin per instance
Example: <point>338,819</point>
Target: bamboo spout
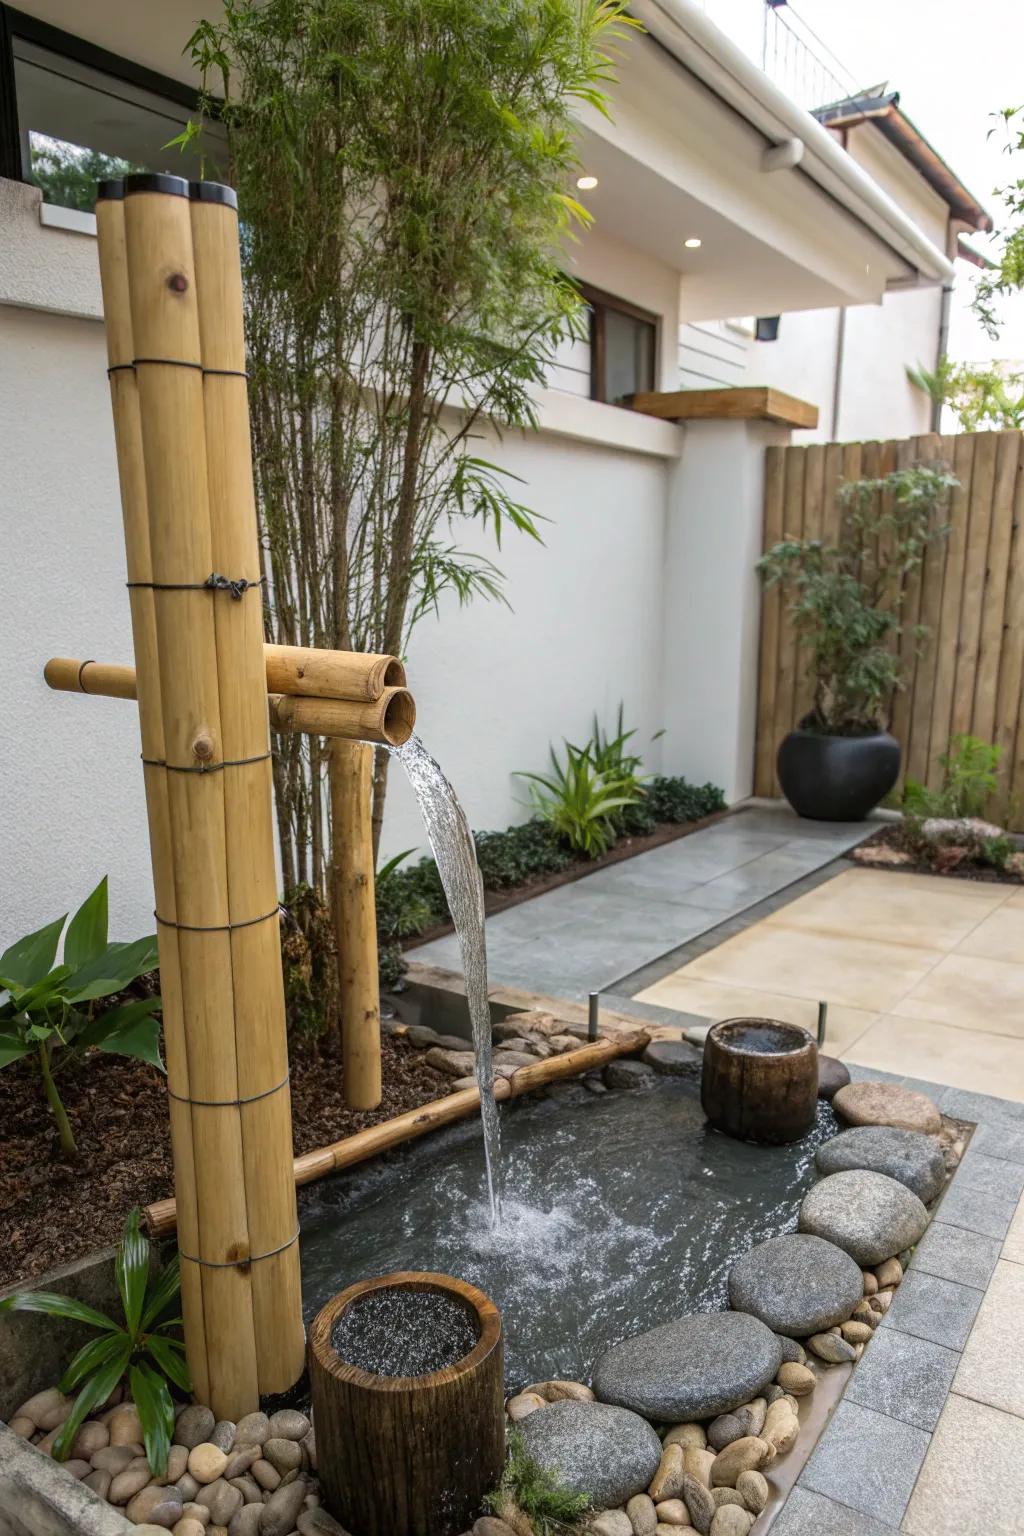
<point>356,675</point>
<point>387,720</point>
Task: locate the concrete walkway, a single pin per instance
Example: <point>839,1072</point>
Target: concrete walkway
<point>587,935</point>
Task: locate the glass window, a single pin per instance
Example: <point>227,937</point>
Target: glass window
<point>79,125</point>
<point>623,348</point>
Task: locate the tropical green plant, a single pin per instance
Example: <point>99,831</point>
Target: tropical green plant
<point>981,398</point>
<point>1008,276</point>
<point>50,1011</point>
<point>609,753</point>
<point>146,1348</point>
<point>527,1486</point>
<point>579,801</point>
<point>846,597</point>
<point>970,778</point>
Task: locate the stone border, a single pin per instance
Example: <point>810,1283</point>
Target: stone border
<point>39,1498</point>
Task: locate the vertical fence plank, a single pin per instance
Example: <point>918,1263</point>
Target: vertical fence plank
<point>917,755</point>
<point>771,610</point>
<point>1009,729</point>
<point>814,497</point>
<point>948,638</point>
<point>983,718</point>
<point>979,515</point>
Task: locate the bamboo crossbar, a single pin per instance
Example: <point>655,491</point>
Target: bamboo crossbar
<point>387,720</point>
<point>161,1217</point>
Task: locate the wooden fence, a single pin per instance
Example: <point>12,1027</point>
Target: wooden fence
<point>966,675</point>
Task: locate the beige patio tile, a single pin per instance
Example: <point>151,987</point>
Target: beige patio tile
<point>968,992</point>
<point>999,936</point>
<point>717,1000</point>
<point>1017,899</point>
<point>972,1479</point>
<point>923,910</point>
<point>991,1369</point>
<point>923,1048</point>
<point>1013,1247</point>
<point>855,972</point>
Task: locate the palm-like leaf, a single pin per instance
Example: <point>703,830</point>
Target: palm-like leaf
<point>170,1357</point>
<point>86,937</point>
<point>156,1412</point>
<point>95,1391</point>
<point>90,1357</point>
<point>162,1293</point>
<point>132,1270</point>
<point>28,961</point>
<point>55,1305</point>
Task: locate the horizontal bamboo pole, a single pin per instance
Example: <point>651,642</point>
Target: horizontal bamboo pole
<point>331,674</point>
<point>387,721</point>
<point>161,1217</point>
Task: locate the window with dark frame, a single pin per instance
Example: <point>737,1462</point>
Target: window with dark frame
<point>623,347</point>
<point>75,114</point>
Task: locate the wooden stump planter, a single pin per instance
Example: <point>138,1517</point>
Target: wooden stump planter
<point>409,1455</point>
<point>760,1080</point>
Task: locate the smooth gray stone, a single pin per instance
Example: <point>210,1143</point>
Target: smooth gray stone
<point>674,1058</point>
<point>605,1452</point>
<point>868,1214</point>
<point>832,1076</point>
<point>629,1074</point>
<point>695,1367</point>
<point>906,1377</point>
<point>797,1284</point>
<point>914,1159</point>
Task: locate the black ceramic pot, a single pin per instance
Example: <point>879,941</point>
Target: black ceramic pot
<point>837,778</point>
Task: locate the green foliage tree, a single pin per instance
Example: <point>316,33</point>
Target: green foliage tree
<point>67,174</point>
<point>981,398</point>
<point>49,1011</point>
<point>146,1348</point>
<point>845,598</point>
<point>402,168</point>
<point>1008,277</point>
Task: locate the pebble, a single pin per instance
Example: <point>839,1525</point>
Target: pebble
<point>177,1463</point>
<point>724,1430</point>
<point>888,1274</point>
<point>629,1074</point>
<point>247,1521</point>
<point>22,1426</point>
<point>731,1520</point>
<point>698,1463</point>
<point>611,1522</point>
<point>753,1489</point>
<point>671,1512</point>
<point>92,1437</point>
<point>870,1282</point>
<point>112,1458</point>
<point>155,1505</point>
<point>77,1467</point>
<point>43,1406</point>
<point>285,1455</point>
<point>523,1404</point>
<point>743,1455</point>
<point>206,1462</point>
<point>781,1427</point>
<point>267,1476</point>
<point>772,1393</point>
<point>187,1526</point>
<point>832,1076</point>
<point>281,1510</point>
<point>222,1500</point>
<point>674,1530</point>
<point>250,1490</point>
<point>667,1482</point>
<point>124,1425</point>
<point>800,1380</point>
<point>125,1485</point>
<point>723,1496</point>
<point>643,1517</point>
<point>751,1415</point>
<point>187,1486</point>
<point>240,1461</point>
<point>830,1347</point>
<point>792,1349</point>
<point>687,1434</point>
<point>557,1391</point>
<point>195,1426</point>
<point>253,1429</point>
<point>198,1512</point>
<point>288,1424</point>
<point>223,1434</point>
<point>700,1502</point>
<point>857,1332</point>
<point>881,1303</point>
<point>99,1481</point>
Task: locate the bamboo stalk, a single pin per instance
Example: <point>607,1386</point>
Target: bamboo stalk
<point>162,286</point>
<point>355,921</point>
<point>387,721</point>
<point>131,472</point>
<point>160,1217</point>
<point>331,674</point>
<point>251,874</point>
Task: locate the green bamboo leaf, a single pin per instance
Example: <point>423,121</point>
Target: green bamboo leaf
<point>132,1271</point>
<point>96,1390</point>
<point>52,1304</point>
<point>28,961</point>
<point>86,937</point>
<point>156,1411</point>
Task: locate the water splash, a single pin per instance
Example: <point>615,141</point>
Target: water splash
<point>455,854</point>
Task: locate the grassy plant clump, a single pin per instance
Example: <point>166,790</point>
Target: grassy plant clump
<point>527,1486</point>
<point>969,779</point>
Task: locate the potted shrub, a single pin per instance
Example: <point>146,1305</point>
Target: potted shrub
<point>845,600</point>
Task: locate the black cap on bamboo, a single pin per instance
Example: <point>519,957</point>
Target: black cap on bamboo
<point>213,192</point>
<point>156,181</point>
<point>110,191</point>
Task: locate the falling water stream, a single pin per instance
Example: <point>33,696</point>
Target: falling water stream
<point>455,853</point>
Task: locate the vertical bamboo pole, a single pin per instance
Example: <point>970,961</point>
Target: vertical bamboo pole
<point>169,382</point>
<point>355,921</point>
<point>255,956</point>
<point>131,473</point>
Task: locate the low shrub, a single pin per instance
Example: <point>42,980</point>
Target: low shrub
<point>529,1489</point>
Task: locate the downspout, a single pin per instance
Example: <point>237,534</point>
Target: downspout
<point>837,381</point>
<point>940,351</point>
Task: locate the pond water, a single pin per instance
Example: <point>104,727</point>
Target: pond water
<point>396,1332</point>
<point>620,1211</point>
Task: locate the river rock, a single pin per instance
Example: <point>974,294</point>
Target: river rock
<point>523,1404</point>
<point>695,1367</point>
<point>113,1458</point>
<point>888,1273</point>
<point>687,1434</point>
<point>798,1380</point>
<point>731,1520</point>
<point>207,1462</point>
<point>887,1104</point>
<point>195,1426</point>
<point>791,1349</point>
<point>667,1482</point>
<point>629,1074</point>
<point>596,1449</point>
<point>831,1347</point>
<point>832,1076</point>
<point>125,1426</point>
<point>125,1485</point>
<point>724,1430</point>
<point>674,1058</point>
<point>99,1481</point>
<point>643,1517</point>
<point>555,1391</point>
<point>223,1501</point>
<point>671,1512</point>
<point>288,1424</point>
<point>253,1429</point>
<point>796,1284</point>
<point>745,1455</point>
<point>283,1454</point>
<point>155,1505</point>
<point>868,1214</point>
<point>611,1522</point>
<point>281,1510</point>
<point>908,1156</point>
<point>698,1499</point>
<point>753,1490</point>
<point>223,1434</point>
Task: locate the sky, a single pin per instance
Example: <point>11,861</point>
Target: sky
<point>954,63</point>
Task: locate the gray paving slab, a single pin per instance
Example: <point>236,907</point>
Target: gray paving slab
<point>976,1211</point>
<point>932,1308</point>
<point>990,1175</point>
<point>904,1376</point>
<point>811,1514</point>
<point>982,1107</point>
<point>953,1253</point>
<point>999,1141</point>
<point>867,1461</point>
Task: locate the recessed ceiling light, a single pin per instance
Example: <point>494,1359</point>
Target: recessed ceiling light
<point>693,244</point>
<point>586,183</point>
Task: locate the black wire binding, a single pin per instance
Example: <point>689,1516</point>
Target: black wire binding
<point>178,362</point>
<point>240,1263</point>
<point>216,927</point>
<point>231,1103</point>
<point>89,663</point>
<point>238,586</point>
<point>229,762</point>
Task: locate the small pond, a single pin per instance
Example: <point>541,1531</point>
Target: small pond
<point>621,1210</point>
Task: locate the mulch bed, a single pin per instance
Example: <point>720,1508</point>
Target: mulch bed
<point>625,848</point>
<point>968,869</point>
<point>54,1210</point>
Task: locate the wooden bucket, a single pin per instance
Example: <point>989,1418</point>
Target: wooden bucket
<point>760,1080</point>
<point>409,1455</point>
